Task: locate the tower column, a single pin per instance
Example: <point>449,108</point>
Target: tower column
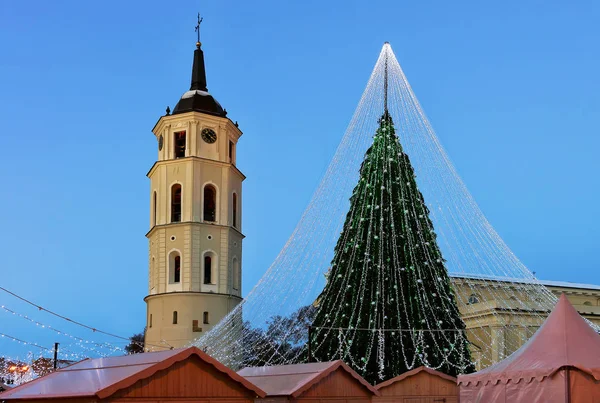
<point>497,334</point>
<point>192,130</point>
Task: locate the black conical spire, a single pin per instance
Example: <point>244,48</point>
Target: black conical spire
<point>198,70</point>
<point>197,98</point>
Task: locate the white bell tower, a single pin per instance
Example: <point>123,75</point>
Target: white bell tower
<point>195,237</point>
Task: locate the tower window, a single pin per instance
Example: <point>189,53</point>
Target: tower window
<point>152,268</point>
<point>174,317</point>
<point>210,203</point>
<point>154,209</point>
<point>234,207</point>
<point>207,269</point>
<point>176,203</point>
<point>473,299</point>
<point>206,318</point>
<point>174,268</point>
<point>150,321</point>
<point>177,272</point>
<point>236,274</point>
<point>180,144</point>
<point>231,151</point>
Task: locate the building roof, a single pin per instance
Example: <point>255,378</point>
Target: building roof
<point>566,284</point>
<point>293,380</point>
<point>102,377</point>
<point>564,340</point>
<point>414,372</point>
<point>533,280</point>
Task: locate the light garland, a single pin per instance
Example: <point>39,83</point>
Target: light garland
<point>79,341</point>
<point>77,323</point>
<point>23,342</point>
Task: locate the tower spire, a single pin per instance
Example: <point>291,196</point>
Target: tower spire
<point>198,69</point>
<point>197,98</point>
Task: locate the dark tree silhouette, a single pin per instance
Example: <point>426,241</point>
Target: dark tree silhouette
<point>136,344</point>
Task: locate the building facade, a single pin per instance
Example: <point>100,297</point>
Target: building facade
<point>501,316</point>
<point>195,237</point>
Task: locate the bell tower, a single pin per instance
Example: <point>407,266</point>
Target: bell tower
<point>195,237</point>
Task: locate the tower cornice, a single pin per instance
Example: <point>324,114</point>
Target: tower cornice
<point>169,120</point>
<point>180,293</point>
<point>195,158</point>
<point>196,223</point>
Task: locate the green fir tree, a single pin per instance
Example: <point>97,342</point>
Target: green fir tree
<point>388,305</point>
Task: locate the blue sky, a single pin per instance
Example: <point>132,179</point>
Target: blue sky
<point>510,87</point>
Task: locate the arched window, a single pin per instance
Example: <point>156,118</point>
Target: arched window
<point>174,317</point>
<point>210,203</point>
<point>176,203</point>
<point>154,209</point>
<point>208,269</point>
<point>150,321</point>
<point>174,268</point>
<point>205,317</point>
<point>234,207</point>
<point>473,299</point>
<point>236,274</point>
<point>587,303</point>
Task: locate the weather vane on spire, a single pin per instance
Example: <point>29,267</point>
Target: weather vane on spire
<point>198,29</point>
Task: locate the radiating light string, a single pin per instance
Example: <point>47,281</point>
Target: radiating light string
<point>470,245</point>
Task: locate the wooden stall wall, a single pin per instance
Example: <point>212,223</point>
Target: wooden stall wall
<point>192,378</point>
<point>422,387</point>
<point>338,386</point>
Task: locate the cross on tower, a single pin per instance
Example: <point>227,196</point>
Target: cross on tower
<point>198,28</point>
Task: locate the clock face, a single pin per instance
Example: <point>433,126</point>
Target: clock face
<point>209,135</point>
<point>160,142</point>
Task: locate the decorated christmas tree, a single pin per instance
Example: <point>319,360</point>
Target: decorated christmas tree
<point>388,305</point>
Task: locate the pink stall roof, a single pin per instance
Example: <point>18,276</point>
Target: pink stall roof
<point>293,380</point>
<point>564,340</point>
<point>102,377</point>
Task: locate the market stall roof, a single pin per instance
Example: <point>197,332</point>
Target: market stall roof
<point>413,373</point>
<point>293,380</point>
<point>102,377</point>
<point>564,340</point>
